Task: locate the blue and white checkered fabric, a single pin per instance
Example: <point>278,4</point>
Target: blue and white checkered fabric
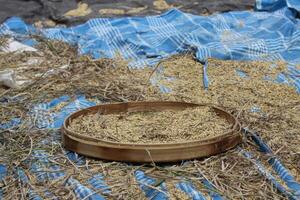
<point>98,183</point>
<point>23,179</point>
<point>277,166</point>
<point>33,196</point>
<point>12,123</point>
<point>20,175</point>
<point>76,158</point>
<point>243,35</point>
<point>82,191</point>
<point>44,116</point>
<point>3,174</point>
<point>190,190</point>
<point>268,175</point>
<point>270,5</point>
<point>150,192</point>
<point>45,171</point>
<point>42,168</point>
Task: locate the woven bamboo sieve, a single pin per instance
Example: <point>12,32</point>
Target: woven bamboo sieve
<point>133,152</point>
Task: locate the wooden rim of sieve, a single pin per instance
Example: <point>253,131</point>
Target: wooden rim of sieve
<point>153,152</point>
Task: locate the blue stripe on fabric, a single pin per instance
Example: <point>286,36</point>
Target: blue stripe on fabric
<point>40,163</point>
<point>270,5</point>
<point>205,75</point>
<point>164,89</point>
<point>278,167</point>
<point>211,189</point>
<point>98,183</point>
<point>47,118</point>
<point>190,190</point>
<point>267,175</point>
<point>22,177</point>
<point>44,170</point>
<point>3,174</point>
<point>150,193</point>
<point>3,171</point>
<point>11,124</point>
<point>82,191</point>
<point>79,103</point>
<point>76,158</point>
<point>241,73</point>
<point>33,196</point>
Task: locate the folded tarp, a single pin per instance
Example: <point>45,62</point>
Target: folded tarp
<point>272,5</point>
<point>245,35</point>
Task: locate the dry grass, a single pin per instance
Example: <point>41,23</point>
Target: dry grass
<point>174,192</point>
<point>276,120</point>
<point>110,80</point>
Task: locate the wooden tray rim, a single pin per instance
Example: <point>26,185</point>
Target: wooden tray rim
<point>95,141</point>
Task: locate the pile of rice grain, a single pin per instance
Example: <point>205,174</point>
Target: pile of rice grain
<point>154,127</point>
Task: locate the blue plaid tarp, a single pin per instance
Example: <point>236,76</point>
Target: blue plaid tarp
<point>47,118</point>
<point>271,5</point>
<point>272,32</point>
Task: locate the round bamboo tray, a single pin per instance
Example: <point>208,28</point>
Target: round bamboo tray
<point>133,152</point>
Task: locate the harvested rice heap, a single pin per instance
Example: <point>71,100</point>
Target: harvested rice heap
<point>260,103</point>
<point>56,69</point>
<point>270,108</point>
<point>152,127</point>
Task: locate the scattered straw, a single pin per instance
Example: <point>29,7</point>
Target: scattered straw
<point>56,69</point>
<point>175,193</point>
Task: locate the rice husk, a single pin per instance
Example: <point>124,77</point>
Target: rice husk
<point>152,127</point>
